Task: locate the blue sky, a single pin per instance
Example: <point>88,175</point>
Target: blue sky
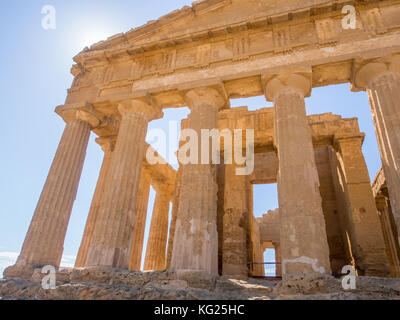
<point>35,67</point>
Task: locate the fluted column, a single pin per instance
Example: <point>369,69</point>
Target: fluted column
<point>381,79</point>
<point>107,144</point>
<point>304,245</point>
<point>140,222</point>
<point>113,232</point>
<point>196,238</point>
<point>157,242</point>
<point>44,242</point>
<point>389,234</point>
<point>278,259</point>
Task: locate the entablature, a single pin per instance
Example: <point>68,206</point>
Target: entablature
<point>236,60</point>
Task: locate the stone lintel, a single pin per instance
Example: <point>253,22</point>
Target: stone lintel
<point>342,138</point>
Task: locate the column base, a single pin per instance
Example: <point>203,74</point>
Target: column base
<point>21,271</point>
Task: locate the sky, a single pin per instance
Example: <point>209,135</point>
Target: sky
<point>35,75</point>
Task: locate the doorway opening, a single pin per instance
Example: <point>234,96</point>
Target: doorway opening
<point>270,262</point>
<point>265,199</point>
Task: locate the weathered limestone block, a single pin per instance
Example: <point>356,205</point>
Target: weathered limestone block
<point>140,223</point>
<point>157,242</point>
<point>107,144</point>
<point>196,237</point>
<point>112,236</point>
<point>278,259</point>
<point>124,285</point>
<point>270,225</point>
<point>363,226</point>
<point>236,221</point>
<point>257,251</point>
<point>304,244</point>
<point>117,277</point>
<point>307,284</point>
<point>44,242</point>
<point>197,278</point>
<point>381,79</point>
<point>63,275</point>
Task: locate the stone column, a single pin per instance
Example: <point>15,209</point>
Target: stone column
<point>304,244</point>
<point>366,239</point>
<point>44,242</point>
<point>113,232</point>
<point>107,144</point>
<point>140,223</point>
<point>278,259</point>
<point>257,249</point>
<point>174,216</point>
<point>236,222</point>
<point>157,243</point>
<point>389,231</point>
<point>196,238</point>
<point>381,79</point>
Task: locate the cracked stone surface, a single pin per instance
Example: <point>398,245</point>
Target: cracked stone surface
<point>103,284</point>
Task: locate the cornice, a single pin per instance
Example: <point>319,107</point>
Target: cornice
<point>125,44</point>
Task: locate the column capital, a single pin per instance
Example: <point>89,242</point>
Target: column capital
<point>70,115</point>
<point>107,144</point>
<point>381,202</point>
<point>134,107</point>
<point>298,79</point>
<point>276,244</point>
<point>205,95</point>
<point>367,70</point>
<point>340,140</point>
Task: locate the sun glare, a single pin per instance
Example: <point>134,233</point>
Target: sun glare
<point>89,37</point>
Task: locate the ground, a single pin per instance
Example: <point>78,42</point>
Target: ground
<point>106,284</point>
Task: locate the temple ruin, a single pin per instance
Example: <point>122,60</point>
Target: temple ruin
<point>330,214</point>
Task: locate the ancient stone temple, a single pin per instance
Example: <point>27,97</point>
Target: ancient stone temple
<point>329,215</point>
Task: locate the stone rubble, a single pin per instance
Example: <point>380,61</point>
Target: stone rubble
<point>104,284</point>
